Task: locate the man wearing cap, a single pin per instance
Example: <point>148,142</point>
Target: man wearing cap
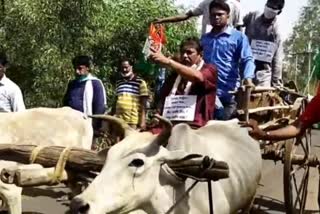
<point>264,36</point>
<point>235,19</point>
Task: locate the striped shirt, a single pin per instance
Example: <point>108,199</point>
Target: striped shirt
<point>129,93</point>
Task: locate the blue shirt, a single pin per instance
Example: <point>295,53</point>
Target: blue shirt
<point>229,51</point>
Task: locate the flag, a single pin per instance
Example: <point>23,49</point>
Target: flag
<point>155,39</point>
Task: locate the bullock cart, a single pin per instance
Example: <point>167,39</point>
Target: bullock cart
<point>274,108</point>
<point>63,165</point>
<point>271,107</point>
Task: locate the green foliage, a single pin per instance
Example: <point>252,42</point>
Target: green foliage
<point>41,37</point>
<point>306,33</point>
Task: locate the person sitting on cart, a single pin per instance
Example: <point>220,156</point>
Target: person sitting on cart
<point>309,117</point>
<point>192,81</point>
<point>264,35</point>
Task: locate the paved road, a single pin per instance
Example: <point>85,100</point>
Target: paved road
<point>270,193</point>
<point>269,198</point>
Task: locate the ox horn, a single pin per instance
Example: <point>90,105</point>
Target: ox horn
<point>162,139</point>
<point>122,127</point>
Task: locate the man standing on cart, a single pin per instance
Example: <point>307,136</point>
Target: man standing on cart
<point>230,51</point>
<point>265,39</point>
<point>235,18</point>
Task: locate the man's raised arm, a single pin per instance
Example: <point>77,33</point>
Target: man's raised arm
<point>177,18</point>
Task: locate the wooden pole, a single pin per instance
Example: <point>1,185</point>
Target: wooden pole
<point>31,177</point>
<point>84,162</point>
<point>27,177</point>
<point>8,173</point>
<point>78,159</point>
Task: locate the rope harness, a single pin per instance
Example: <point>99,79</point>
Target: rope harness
<point>35,152</point>
<point>58,173</point>
<point>207,163</point>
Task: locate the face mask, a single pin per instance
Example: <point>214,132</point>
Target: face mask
<point>129,74</point>
<point>270,13</point>
<point>82,77</point>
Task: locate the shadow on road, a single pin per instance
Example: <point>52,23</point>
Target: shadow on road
<point>267,205</point>
<point>5,212</point>
<point>263,204</point>
<point>52,192</point>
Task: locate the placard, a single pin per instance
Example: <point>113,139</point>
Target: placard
<point>263,50</point>
<point>180,107</point>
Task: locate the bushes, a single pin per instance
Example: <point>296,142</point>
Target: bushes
<point>41,37</point>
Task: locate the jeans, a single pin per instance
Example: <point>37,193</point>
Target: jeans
<point>228,111</point>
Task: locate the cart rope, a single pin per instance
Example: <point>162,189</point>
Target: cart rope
<point>60,166</point>
<point>207,163</point>
<point>34,154</point>
<point>58,173</point>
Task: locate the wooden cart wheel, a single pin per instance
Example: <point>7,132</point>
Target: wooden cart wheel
<point>296,176</point>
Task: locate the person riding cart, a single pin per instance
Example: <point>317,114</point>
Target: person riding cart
<point>235,16</point>
<point>230,51</point>
<point>188,95</point>
<point>265,39</point>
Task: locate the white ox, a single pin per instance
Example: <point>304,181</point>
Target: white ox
<point>135,176</point>
<point>44,127</point>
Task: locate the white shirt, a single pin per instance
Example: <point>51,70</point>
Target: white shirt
<point>11,99</point>
<point>203,9</point>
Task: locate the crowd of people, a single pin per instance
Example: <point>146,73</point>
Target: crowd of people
<point>233,50</point>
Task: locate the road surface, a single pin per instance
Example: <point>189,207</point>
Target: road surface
<point>270,193</point>
<point>269,198</point>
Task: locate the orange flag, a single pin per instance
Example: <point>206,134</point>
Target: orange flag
<point>156,39</point>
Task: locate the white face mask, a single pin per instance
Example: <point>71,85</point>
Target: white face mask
<point>270,13</point>
<point>127,74</point>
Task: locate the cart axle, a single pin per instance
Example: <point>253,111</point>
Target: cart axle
<point>273,152</point>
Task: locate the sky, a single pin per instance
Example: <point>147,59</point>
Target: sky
<point>287,18</point>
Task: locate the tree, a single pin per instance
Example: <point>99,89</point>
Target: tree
<point>41,37</point>
<point>304,40</point>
